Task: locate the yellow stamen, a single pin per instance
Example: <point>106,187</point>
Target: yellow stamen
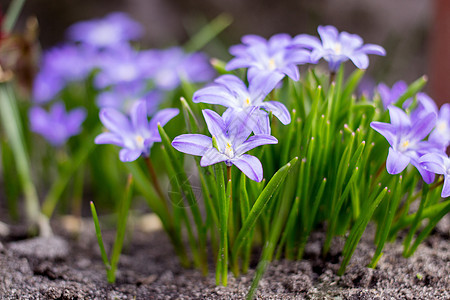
<point>272,64</point>
<point>229,150</point>
<point>337,48</point>
<point>140,140</point>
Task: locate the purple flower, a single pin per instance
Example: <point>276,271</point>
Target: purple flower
<point>169,67</point>
<point>114,29</point>
<point>274,57</point>
<point>231,92</point>
<point>136,135</point>
<point>425,105</point>
<point>337,48</point>
<point>60,66</point>
<point>121,65</point>
<point>46,86</point>
<point>438,163</point>
<point>441,134</point>
<point>56,126</point>
<point>406,140</point>
<point>229,143</point>
<point>70,62</point>
<point>389,96</point>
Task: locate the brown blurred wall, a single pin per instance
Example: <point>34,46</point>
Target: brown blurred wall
<point>439,67</point>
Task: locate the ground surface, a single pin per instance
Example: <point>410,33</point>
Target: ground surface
<point>71,268</point>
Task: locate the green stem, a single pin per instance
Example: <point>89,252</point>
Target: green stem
<point>154,179</point>
<point>121,227</point>
<point>12,14</point>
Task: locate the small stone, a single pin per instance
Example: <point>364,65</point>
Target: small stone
<point>49,248</point>
<point>149,223</point>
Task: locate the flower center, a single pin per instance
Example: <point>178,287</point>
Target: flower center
<point>247,102</point>
<point>441,126</point>
<point>404,146</point>
<point>272,65</point>
<point>229,150</point>
<point>337,48</point>
<point>140,141</point>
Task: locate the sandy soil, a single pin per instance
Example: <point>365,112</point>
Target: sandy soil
<point>68,267</point>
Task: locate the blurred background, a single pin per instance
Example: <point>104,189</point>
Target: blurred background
<point>415,33</point>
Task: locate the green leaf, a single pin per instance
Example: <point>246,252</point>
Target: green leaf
<point>209,32</point>
<point>259,205</point>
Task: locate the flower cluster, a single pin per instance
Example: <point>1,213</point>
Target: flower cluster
<point>123,75</point>
<point>268,62</point>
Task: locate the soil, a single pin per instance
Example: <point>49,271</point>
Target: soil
<point>70,267</point>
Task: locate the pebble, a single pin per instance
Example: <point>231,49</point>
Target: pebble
<point>49,248</point>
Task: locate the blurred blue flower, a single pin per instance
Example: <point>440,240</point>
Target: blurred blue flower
<point>61,65</point>
<point>441,133</point>
<point>121,65</point>
<point>168,67</point>
<point>114,29</point>
<point>57,125</point>
<point>389,96</point>
<point>337,48</point>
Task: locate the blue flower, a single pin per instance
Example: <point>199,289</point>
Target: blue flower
<point>406,140</point>
<point>231,92</point>
<point>168,67</point>
<point>114,29</point>
<point>389,96</point>
<point>135,135</point>
<point>57,125</point>
<point>263,58</point>
<point>337,48</point>
<point>229,143</point>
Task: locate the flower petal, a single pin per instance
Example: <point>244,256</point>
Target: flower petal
<point>212,156</point>
<point>138,116</point>
<point>109,138</point>
<point>127,155</point>
<point>240,124</point>
<point>373,49</point>
<point>255,141</point>
<point>263,123</point>
<point>422,127</point>
<point>216,126</point>
<point>193,144</point>
<point>307,41</point>
<point>250,166</point>
<point>360,59</point>
<point>262,84</point>
<point>115,121</point>
<point>386,130</point>
<point>399,119</point>
<point>433,162</point>
<point>427,176</point>
<point>396,162</point>
<point>279,110</point>
<point>162,117</point>
<point>446,188</point>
